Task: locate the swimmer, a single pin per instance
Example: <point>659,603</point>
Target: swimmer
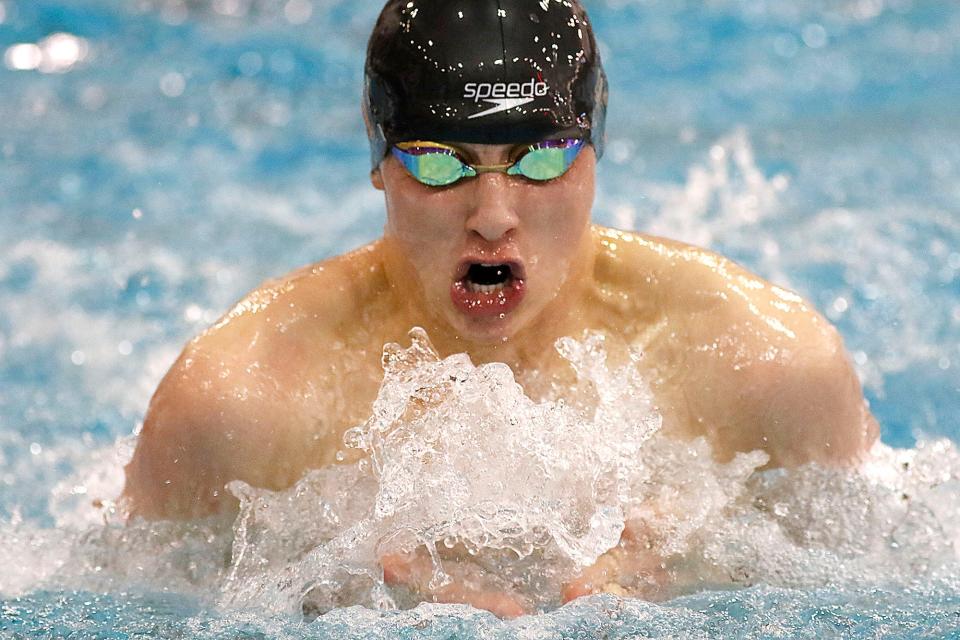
<point>486,121</point>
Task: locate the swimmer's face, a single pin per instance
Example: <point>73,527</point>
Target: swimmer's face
<point>488,256</point>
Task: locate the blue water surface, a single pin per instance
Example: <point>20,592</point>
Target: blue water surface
<point>159,158</point>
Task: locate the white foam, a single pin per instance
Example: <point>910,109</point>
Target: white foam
<point>463,463</point>
<point>460,457</point>
<point>726,193</point>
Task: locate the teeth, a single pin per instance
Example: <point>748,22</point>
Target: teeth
<point>485,288</point>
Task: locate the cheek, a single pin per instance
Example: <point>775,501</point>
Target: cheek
<point>558,228</point>
<point>406,213</point>
<point>564,213</point>
<point>417,239</point>
<point>418,221</point>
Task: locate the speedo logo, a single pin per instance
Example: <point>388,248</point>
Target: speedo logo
<point>504,95</point>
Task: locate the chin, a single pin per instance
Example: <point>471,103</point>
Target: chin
<point>490,330</point>
<point>486,331</point>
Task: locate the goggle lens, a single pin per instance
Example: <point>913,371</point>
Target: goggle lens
<point>437,165</point>
<point>433,166</point>
<point>547,160</point>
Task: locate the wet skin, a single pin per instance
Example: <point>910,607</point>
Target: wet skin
<point>267,392</point>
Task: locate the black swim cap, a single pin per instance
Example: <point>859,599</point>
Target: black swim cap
<point>483,71</point>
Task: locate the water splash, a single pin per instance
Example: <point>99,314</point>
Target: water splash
<point>725,194</point>
<point>458,457</point>
<point>462,464</point>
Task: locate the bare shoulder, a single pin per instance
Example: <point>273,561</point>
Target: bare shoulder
<point>683,276</point>
<point>253,397</point>
<point>746,362</point>
<point>699,290</point>
<point>324,295</point>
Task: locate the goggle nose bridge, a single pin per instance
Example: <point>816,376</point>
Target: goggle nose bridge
<point>492,168</point>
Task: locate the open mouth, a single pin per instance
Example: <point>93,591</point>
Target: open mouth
<point>487,278</point>
<point>485,289</point>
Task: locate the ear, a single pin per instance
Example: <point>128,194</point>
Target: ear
<point>376,179</point>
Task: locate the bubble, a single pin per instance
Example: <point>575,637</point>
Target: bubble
<point>838,307</point>
<point>62,51</point>
<point>868,9</point>
<point>93,97</point>
<point>298,11</point>
<point>233,8</point>
<point>174,13</point>
<point>193,313</point>
<point>620,150</point>
<point>23,57</point>
<point>814,35</point>
<point>172,84</point>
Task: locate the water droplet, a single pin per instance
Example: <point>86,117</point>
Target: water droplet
<point>814,35</point>
<point>172,84</point>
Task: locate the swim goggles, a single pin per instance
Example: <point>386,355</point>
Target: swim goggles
<point>437,165</point>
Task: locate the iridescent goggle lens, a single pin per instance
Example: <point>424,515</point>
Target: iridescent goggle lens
<point>438,165</point>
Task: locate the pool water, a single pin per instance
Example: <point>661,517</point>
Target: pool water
<point>159,158</point>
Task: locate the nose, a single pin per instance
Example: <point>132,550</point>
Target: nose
<point>493,214</point>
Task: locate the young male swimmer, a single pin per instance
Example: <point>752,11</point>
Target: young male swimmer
<point>486,121</point>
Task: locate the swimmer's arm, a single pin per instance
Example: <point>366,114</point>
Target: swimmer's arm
<point>809,407</point>
<point>165,477</point>
<point>776,377</point>
<point>207,424</point>
<point>248,401</point>
<point>763,369</point>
